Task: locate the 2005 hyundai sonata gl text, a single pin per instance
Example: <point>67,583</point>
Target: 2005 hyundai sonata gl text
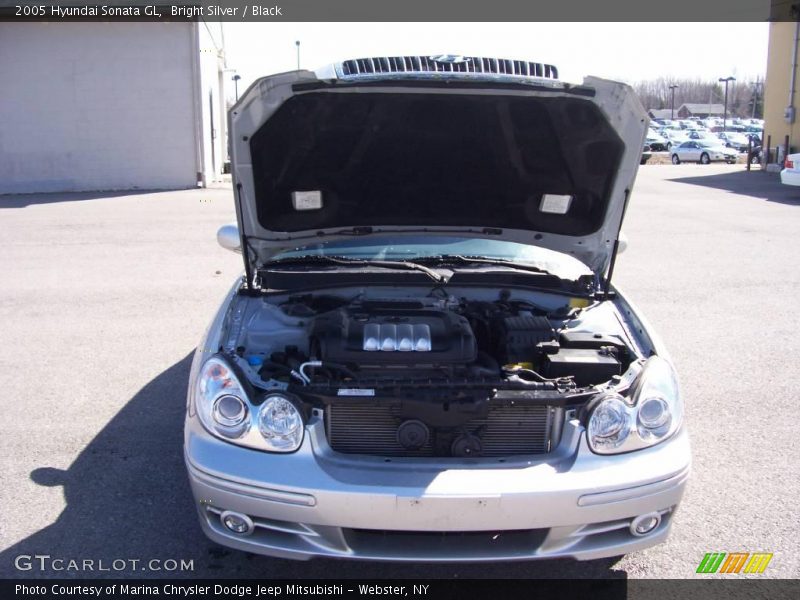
<point>426,358</point>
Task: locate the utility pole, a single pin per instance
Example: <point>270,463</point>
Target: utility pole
<point>726,80</point>
<point>297,43</point>
<point>672,111</point>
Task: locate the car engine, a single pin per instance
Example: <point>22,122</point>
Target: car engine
<point>433,375</point>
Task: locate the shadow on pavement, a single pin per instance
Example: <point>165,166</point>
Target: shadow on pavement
<point>127,497</point>
<point>23,200</point>
<point>755,183</point>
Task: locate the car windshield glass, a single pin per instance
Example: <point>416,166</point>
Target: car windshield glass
<point>398,248</point>
<point>707,143</point>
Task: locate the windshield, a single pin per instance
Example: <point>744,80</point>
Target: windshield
<point>708,143</point>
<point>418,247</point>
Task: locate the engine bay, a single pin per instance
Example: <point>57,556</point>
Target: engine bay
<point>341,339</point>
<point>434,373</point>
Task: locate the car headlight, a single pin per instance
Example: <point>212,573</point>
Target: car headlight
<point>220,400</point>
<point>651,414</point>
<point>609,425</point>
<point>280,424</point>
<point>225,410</point>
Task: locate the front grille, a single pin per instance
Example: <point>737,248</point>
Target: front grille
<point>460,64</point>
<point>371,428</point>
<point>438,544</point>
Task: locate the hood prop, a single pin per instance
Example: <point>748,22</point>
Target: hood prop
<point>606,293</point>
<point>248,274</point>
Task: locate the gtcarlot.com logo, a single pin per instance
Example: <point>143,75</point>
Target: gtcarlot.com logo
<point>45,562</point>
<point>734,562</point>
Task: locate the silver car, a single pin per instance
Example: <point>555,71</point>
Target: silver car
<point>704,152</point>
<point>426,358</point>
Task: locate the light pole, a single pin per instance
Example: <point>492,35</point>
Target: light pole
<point>727,80</point>
<point>236,79</point>
<point>672,112</point>
<point>756,91</point>
<point>297,43</point>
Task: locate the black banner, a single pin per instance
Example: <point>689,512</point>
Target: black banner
<point>405,10</point>
<point>595,589</point>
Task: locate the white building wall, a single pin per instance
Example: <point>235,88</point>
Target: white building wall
<point>96,106</point>
<point>212,98</point>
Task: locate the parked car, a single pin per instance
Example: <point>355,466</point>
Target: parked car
<point>426,360</point>
<point>702,135</point>
<point>755,138</point>
<point>674,137</point>
<point>657,142</point>
<point>711,122</point>
<point>691,125</point>
<point>790,174</point>
<point>646,154</point>
<point>735,140</point>
<point>703,151</point>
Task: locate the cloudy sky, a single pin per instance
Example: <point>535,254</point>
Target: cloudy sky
<point>624,51</point>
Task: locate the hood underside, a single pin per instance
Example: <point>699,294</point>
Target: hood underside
<point>517,159</point>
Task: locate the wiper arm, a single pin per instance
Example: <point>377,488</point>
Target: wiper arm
<point>358,262</point>
<point>467,260</point>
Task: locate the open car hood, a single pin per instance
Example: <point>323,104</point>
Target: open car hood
<point>469,147</point>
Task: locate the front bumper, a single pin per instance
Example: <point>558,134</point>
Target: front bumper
<point>316,502</point>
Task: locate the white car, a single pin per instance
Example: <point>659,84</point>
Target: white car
<point>790,175</point>
<point>674,137</point>
<point>702,134</point>
<point>703,151</point>
<point>690,125</point>
<point>656,141</point>
<point>734,139</point>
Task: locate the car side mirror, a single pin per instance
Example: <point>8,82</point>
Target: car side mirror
<point>623,242</point>
<point>228,237</point>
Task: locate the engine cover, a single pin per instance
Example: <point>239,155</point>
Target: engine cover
<point>393,336</point>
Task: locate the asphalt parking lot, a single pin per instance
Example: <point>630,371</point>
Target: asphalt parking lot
<point>104,297</point>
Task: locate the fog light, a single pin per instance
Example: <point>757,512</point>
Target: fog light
<point>644,524</point>
<point>237,522</point>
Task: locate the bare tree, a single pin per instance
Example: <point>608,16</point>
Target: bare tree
<point>744,96</point>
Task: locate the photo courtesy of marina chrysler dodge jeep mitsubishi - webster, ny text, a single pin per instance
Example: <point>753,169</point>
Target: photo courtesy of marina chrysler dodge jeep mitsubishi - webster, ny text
<point>426,358</point>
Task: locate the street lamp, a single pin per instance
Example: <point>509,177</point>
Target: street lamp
<point>757,85</point>
<point>672,112</point>
<point>725,110</point>
<point>236,79</point>
<point>297,43</point>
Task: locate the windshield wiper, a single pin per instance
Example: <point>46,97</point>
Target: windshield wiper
<point>449,259</point>
<point>357,262</point>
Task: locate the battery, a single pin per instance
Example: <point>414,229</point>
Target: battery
<point>588,366</point>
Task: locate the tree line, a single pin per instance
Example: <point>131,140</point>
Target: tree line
<point>745,96</point>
